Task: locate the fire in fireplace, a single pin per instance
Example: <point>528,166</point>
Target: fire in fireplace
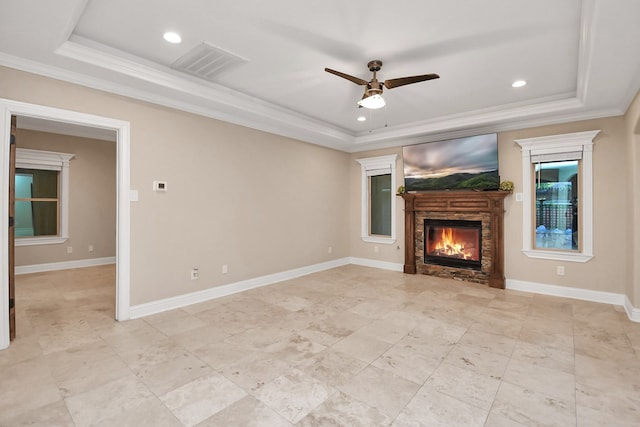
<point>453,243</point>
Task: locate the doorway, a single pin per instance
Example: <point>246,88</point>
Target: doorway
<point>20,109</point>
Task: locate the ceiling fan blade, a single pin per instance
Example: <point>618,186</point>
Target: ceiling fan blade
<point>391,83</point>
<point>356,80</point>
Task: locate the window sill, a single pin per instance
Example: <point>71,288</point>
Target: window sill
<point>558,256</point>
<point>33,241</point>
<point>381,240</point>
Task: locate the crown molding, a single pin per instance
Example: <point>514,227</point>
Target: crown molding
<point>208,99</point>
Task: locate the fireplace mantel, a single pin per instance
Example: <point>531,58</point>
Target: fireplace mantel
<point>489,204</point>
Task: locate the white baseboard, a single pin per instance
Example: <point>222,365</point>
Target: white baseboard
<point>577,293</point>
<point>65,265</point>
<point>632,312</point>
<point>179,301</point>
<point>377,264</point>
<point>159,306</point>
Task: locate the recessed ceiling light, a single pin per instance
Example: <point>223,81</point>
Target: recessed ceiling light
<point>361,118</point>
<point>172,37</point>
<point>518,83</point>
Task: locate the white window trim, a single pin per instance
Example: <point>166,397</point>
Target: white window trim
<point>555,144</point>
<point>374,166</point>
<point>48,160</point>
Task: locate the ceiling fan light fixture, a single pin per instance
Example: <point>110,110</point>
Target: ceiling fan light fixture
<point>372,102</point>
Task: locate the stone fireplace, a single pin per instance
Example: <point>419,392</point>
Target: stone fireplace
<point>456,235</point>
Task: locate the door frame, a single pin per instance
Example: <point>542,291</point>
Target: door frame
<point>123,219</point>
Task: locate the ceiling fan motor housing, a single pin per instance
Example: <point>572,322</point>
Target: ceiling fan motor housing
<point>374,65</point>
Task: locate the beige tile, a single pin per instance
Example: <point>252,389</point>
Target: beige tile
<point>388,329</point>
<point>496,420</point>
<point>530,407</point>
<point>362,347</point>
<point>258,339</point>
<point>494,343</point>
<point>434,409</point>
<point>465,385</point>
<point>548,339</point>
<point>55,414</point>
<point>221,354</point>
<point>294,348</point>
<point>246,412</point>
<point>332,367</point>
<point>380,389</point>
<point>142,356</point>
<point>551,382</point>
<point>476,359</point>
<point>589,417</point>
<point>197,400</point>
<point>165,376</point>
<point>254,371</point>
<point>77,374</point>
<point>293,395</point>
<point>411,361</point>
<point>453,335</point>
<point>149,413</point>
<point>108,400</point>
<point>26,386</point>
<point>174,322</point>
<point>342,410</point>
<point>199,337</point>
<point>610,398</point>
<point>372,308</point>
<point>544,356</point>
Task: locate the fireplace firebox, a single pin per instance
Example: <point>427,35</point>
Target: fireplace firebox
<point>453,243</point>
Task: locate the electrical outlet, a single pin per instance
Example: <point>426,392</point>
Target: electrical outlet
<point>376,249</point>
<point>330,249</point>
<point>225,269</point>
<point>90,248</point>
<point>69,249</point>
<point>560,270</point>
<point>195,273</point>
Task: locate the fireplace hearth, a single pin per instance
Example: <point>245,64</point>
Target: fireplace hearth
<point>456,234</point>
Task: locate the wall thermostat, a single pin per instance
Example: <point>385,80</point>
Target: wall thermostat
<point>160,186</point>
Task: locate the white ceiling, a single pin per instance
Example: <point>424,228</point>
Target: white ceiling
<point>579,57</point>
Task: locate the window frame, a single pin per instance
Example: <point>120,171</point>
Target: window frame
<point>48,160</point>
<point>551,147</point>
<point>374,166</point>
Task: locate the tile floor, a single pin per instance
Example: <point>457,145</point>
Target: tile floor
<point>352,346</point>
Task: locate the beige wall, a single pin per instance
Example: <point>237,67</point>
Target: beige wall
<point>92,198</point>
<point>632,127</point>
<point>607,271</point>
<point>257,202</point>
<point>263,204</point>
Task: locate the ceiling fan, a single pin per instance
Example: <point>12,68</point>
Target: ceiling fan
<point>372,97</point>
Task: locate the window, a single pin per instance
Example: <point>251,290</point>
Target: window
<point>42,187</point>
<point>556,205</point>
<point>377,207</point>
<point>557,196</point>
<point>37,202</point>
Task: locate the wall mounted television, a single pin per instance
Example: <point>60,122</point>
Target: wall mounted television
<point>469,163</point>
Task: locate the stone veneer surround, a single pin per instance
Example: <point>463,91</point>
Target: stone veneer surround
<point>484,206</point>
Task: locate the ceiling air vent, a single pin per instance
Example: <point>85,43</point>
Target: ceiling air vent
<point>207,61</point>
